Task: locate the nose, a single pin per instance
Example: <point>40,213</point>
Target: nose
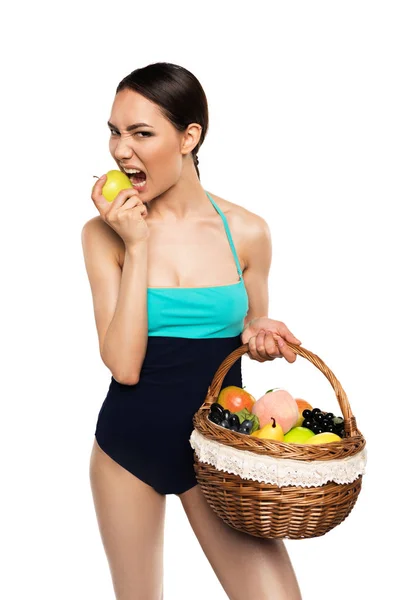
<point>122,150</point>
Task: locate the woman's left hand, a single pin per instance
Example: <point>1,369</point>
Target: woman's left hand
<point>266,340</point>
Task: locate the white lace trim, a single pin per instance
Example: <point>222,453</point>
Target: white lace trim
<point>277,471</point>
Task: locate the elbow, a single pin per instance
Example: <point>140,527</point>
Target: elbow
<point>120,377</point>
<point>126,379</point>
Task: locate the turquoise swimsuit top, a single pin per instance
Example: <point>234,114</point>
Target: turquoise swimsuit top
<point>199,312</point>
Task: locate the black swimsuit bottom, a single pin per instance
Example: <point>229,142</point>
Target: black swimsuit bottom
<point>146,427</point>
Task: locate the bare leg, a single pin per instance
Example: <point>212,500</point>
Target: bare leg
<point>246,566</point>
<point>131,517</point>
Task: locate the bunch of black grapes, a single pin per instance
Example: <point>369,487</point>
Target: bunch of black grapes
<point>225,418</point>
<point>319,422</point>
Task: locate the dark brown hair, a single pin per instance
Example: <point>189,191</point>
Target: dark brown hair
<point>176,91</point>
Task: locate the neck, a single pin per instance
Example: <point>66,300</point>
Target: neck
<point>185,200</point>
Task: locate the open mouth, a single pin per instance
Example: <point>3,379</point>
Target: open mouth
<point>138,179</point>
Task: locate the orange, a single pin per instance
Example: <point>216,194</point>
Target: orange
<point>301,405</point>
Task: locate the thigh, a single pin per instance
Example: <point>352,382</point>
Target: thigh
<point>131,517</point>
<point>246,566</point>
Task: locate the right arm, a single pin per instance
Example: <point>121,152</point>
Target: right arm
<point>119,299</point>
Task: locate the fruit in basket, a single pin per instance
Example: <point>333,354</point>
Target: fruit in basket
<point>246,427</point>
<point>278,404</point>
<point>271,431</point>
<point>216,414</point>
<point>234,420</point>
<point>214,418</point>
<point>338,425</point>
<point>246,415</point>
<point>316,428</point>
<point>302,405</point>
<point>227,414</point>
<point>217,409</point>
<point>320,422</point>
<point>235,398</point>
<point>298,435</point>
<point>324,438</point>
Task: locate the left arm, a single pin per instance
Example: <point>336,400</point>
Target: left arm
<point>264,335</point>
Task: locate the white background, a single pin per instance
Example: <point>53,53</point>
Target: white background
<point>305,98</point>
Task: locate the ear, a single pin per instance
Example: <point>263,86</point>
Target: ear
<point>190,138</point>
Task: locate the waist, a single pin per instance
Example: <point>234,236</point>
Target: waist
<point>175,361</point>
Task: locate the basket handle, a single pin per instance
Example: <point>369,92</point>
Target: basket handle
<point>214,389</point>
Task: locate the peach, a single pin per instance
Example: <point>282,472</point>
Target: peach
<point>280,405</point>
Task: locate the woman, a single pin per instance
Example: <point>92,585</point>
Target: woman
<point>179,280</point>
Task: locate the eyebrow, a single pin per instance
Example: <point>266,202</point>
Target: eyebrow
<point>130,127</point>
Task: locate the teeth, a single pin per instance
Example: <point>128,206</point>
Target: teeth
<point>141,184</point>
<point>131,171</point>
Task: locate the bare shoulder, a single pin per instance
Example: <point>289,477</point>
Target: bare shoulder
<point>247,226</point>
<point>98,231</point>
<point>241,217</point>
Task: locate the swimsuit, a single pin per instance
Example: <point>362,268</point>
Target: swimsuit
<point>146,427</point>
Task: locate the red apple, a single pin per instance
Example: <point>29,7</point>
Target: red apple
<point>235,398</point>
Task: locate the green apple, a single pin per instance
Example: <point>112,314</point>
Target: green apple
<point>115,182</point>
<point>298,435</point>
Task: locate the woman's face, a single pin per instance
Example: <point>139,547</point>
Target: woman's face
<point>154,147</point>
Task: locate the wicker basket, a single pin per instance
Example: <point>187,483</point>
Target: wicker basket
<point>260,508</point>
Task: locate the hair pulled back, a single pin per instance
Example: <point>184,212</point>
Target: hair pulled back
<point>176,91</point>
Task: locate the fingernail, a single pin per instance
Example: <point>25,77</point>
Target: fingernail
<point>280,342</point>
<point>102,177</point>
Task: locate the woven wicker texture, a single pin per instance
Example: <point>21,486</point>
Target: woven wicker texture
<point>266,510</point>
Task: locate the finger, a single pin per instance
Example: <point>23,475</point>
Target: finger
<point>286,352</point>
<point>122,197</point>
<point>261,349</point>
<point>256,348</point>
<point>292,339</point>
<point>271,345</point>
<point>287,334</point>
<point>138,208</point>
<point>134,202</point>
<point>253,349</point>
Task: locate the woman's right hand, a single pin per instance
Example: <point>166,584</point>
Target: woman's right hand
<point>125,214</point>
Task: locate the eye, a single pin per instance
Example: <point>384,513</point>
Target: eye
<point>145,133</point>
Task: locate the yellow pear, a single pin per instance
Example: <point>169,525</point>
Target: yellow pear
<point>271,431</point>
